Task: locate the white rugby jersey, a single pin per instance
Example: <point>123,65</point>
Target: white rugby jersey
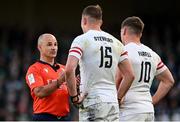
<point>98,53</point>
<point>146,65</point>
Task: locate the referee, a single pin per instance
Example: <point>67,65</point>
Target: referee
<point>45,79</point>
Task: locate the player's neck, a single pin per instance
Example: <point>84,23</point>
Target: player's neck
<point>94,27</point>
<point>47,60</point>
<point>133,39</point>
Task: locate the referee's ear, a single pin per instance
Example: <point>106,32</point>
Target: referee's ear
<point>39,47</point>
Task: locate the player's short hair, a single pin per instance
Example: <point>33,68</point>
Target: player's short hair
<point>93,11</point>
<point>135,24</point>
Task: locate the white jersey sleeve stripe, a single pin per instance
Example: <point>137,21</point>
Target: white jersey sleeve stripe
<point>75,51</point>
<point>123,56</point>
<point>124,53</point>
<point>77,48</point>
<point>159,63</point>
<point>160,67</point>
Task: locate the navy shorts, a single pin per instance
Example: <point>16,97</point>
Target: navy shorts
<point>49,117</point>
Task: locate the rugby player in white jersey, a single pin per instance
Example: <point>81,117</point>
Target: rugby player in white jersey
<point>98,55</point>
<point>137,105</point>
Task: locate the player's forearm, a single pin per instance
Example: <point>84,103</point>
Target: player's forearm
<point>166,82</point>
<point>128,77</point>
<point>71,82</point>
<point>124,86</point>
<point>118,78</point>
<point>162,90</point>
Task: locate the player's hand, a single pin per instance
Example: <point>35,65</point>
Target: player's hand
<point>120,101</point>
<point>77,101</point>
<point>82,97</point>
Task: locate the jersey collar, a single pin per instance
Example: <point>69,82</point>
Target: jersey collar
<point>55,66</point>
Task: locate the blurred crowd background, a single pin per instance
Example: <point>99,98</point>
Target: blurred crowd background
<point>22,21</point>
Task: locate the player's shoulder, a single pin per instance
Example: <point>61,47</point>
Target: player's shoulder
<point>116,41</point>
<point>110,36</point>
<point>80,38</point>
<point>137,46</point>
<point>153,53</point>
<point>149,49</point>
<point>87,34</point>
<point>146,47</point>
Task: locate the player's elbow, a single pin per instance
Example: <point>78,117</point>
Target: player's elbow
<point>168,79</point>
<point>171,82</point>
<point>131,76</point>
<point>168,82</point>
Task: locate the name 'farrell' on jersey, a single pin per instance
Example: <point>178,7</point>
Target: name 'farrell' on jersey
<point>146,64</point>
<point>98,53</point>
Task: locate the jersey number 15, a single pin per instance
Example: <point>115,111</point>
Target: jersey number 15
<point>106,54</point>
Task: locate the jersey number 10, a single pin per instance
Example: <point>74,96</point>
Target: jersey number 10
<point>106,54</point>
<point>145,70</point>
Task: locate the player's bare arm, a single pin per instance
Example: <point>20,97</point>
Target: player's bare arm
<point>128,76</point>
<point>71,66</point>
<point>72,81</point>
<point>166,82</point>
<point>118,78</point>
